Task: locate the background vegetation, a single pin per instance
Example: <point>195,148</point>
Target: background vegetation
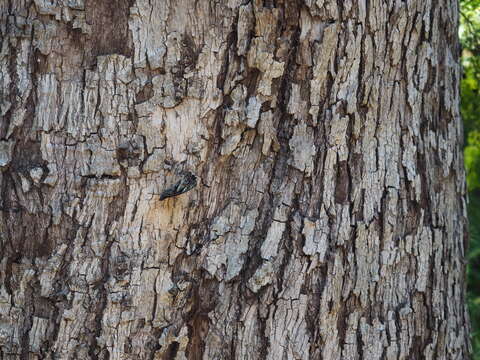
<point>470,107</point>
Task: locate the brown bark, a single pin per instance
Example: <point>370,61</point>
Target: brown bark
<point>328,219</point>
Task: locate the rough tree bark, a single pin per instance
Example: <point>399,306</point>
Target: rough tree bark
<point>328,221</point>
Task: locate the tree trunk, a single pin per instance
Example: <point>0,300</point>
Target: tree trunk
<point>234,179</point>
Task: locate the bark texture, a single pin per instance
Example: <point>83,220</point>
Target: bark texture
<point>328,219</point>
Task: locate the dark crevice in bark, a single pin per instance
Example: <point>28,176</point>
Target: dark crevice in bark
<point>172,350</point>
<point>426,186</point>
<point>60,283</point>
<point>252,77</point>
<point>203,300</point>
<point>319,281</point>
<point>29,308</point>
<point>231,41</point>
<point>360,344</point>
<point>342,190</point>
<point>13,93</point>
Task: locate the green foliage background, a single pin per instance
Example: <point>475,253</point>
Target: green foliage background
<point>470,108</point>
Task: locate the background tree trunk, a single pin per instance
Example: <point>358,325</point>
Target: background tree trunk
<point>328,221</point>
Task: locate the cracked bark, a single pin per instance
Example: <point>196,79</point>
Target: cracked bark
<point>328,220</point>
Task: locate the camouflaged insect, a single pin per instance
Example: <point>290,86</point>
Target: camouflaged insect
<point>186,183</point>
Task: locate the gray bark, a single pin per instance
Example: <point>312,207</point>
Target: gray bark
<point>328,220</point>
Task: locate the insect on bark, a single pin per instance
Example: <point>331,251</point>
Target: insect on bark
<point>186,183</point>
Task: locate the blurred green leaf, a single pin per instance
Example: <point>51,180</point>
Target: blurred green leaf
<point>469,33</point>
<point>473,273</point>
